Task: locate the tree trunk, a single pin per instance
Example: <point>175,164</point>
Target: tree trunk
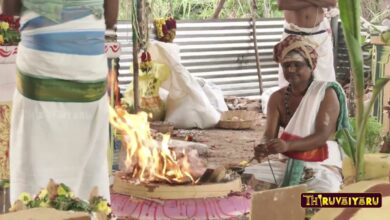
<point>218,9</point>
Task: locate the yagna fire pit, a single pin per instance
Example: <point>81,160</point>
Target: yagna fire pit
<point>184,191</point>
<point>155,182</point>
<point>219,200</point>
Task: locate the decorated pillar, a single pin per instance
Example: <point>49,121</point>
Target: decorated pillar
<point>7,88</point>
<point>9,38</point>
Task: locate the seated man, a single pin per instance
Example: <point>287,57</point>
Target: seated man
<point>310,112</point>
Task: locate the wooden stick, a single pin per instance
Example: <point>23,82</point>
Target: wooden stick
<point>250,161</point>
<point>136,17</point>
<point>254,8</point>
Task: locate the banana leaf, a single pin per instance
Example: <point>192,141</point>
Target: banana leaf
<point>350,12</point>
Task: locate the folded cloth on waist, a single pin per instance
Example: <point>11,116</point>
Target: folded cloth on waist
<point>304,33</point>
<point>54,9</point>
<point>59,90</point>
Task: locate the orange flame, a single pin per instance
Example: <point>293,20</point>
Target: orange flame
<point>147,159</point>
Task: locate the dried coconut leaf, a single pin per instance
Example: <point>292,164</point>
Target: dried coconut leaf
<point>18,206</point>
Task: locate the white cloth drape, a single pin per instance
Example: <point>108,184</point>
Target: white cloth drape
<point>64,141</point>
<point>189,105</point>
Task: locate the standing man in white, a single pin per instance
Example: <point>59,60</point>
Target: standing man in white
<point>59,126</point>
<point>307,19</point>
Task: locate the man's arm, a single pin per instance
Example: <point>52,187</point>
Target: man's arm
<point>12,7</point>
<point>273,117</point>
<point>111,8</point>
<point>300,4</point>
<point>271,127</point>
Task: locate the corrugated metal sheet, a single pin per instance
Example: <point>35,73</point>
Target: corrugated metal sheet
<point>221,51</point>
<point>342,64</point>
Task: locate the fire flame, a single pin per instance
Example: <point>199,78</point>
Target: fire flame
<point>147,159</point>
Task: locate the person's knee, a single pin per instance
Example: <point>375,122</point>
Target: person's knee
<point>325,181</point>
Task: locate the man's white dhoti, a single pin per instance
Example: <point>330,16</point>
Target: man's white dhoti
<point>65,141</point>
<point>324,70</point>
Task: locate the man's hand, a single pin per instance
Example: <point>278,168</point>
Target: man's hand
<point>260,151</point>
<point>276,146</point>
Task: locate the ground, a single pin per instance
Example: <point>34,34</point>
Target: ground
<point>227,146</point>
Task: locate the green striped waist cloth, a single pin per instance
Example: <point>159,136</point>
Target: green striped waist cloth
<point>59,90</point>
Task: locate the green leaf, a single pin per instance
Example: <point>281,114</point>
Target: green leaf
<point>379,85</point>
<point>62,203</point>
<point>80,205</point>
<point>372,134</point>
<point>347,142</point>
<point>385,36</point>
<point>350,13</point>
<point>350,16</point>
<point>34,203</point>
<point>65,187</point>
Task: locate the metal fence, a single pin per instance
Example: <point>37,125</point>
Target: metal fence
<point>221,51</point>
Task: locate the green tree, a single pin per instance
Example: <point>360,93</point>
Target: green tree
<point>201,10</point>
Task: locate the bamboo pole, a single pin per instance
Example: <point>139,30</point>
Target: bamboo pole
<point>254,8</point>
<point>136,20</point>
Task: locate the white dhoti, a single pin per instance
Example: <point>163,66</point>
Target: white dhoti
<point>325,178</point>
<point>324,70</point>
<point>63,141</point>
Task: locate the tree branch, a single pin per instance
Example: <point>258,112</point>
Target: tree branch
<point>218,9</point>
